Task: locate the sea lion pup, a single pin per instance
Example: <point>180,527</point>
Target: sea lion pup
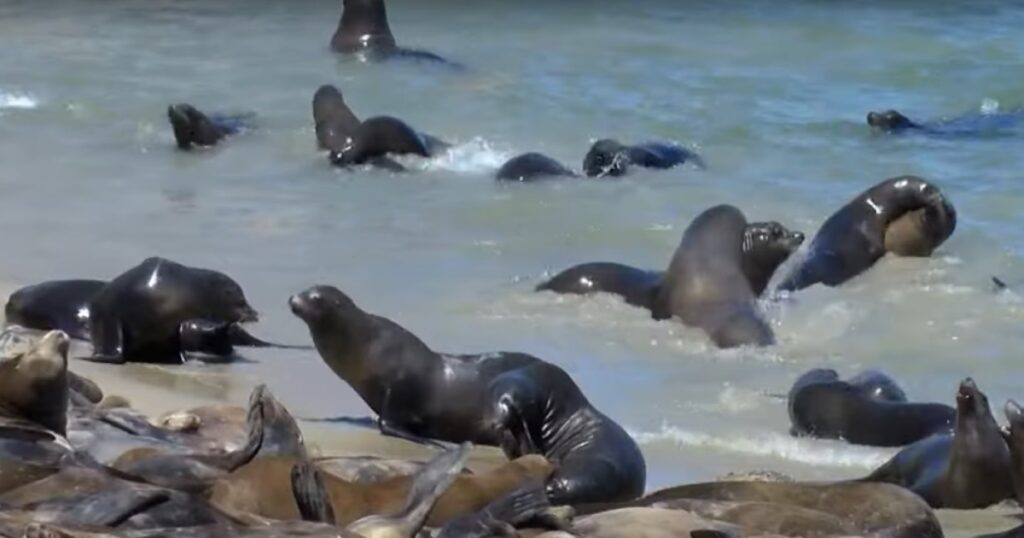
<point>609,157</point>
<point>532,166</point>
<point>314,502</point>
<point>193,128</point>
<point>969,468</point>
<point>765,247</point>
<point>823,406</point>
<point>364,31</point>
<point>707,283</point>
<point>512,400</point>
<point>905,215</point>
<point>137,317</point>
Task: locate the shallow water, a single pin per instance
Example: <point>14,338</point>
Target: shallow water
<point>773,97</point>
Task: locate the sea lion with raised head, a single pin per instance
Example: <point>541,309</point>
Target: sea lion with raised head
<point>138,316</point>
<point>532,166</point>
<point>609,157</point>
<point>335,122</point>
<point>919,216</point>
<point>710,282</point>
<point>364,31</point>
<point>193,128</point>
<point>769,245</point>
<point>418,393</point>
<point>969,468</point>
<point>823,406</point>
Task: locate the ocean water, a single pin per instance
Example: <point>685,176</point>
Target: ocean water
<point>772,95</point>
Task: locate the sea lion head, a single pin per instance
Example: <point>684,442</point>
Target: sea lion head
<point>322,306</point>
<point>225,299</point>
<point>363,26</point>
<point>765,246</point>
<point>191,127</point>
<point>607,157</point>
<point>34,382</point>
<point>889,120</point>
<point>878,386</point>
<point>971,403</point>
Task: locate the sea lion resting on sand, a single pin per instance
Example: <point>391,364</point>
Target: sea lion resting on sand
<point>707,283</point>
<point>904,215</point>
<point>820,405</point>
<point>765,245</point>
<point>969,468</point>
<point>512,400</point>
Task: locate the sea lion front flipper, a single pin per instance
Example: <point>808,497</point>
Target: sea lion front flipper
<point>389,429</point>
<point>107,337</point>
<point>998,283</point>
<point>310,494</point>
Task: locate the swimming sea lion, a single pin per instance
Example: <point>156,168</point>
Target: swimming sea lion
<point>857,235</point>
<point>363,30</point>
<point>531,167</point>
<point>971,124</point>
<point>377,137</point>
<point>137,317</point>
<point>335,122</point>
<point>418,393</point>
<point>768,246</point>
<point>609,157</point>
<point>823,406</point>
<point>193,128</point>
<point>969,468</point>
<point>707,283</point>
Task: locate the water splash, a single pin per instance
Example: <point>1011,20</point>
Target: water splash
<point>989,106</point>
<point>475,156</point>
<point>808,451</point>
<point>17,100</point>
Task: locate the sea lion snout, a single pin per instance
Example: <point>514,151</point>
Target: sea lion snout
<point>56,342</point>
<point>1014,413</point>
<point>248,314</point>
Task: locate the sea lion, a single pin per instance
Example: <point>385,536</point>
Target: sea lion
<point>194,128</point>
<point>1015,441</point>
<point>34,385</point>
<point>502,516</point>
<point>418,393</point>
<point>823,406</point>
<point>137,317</point>
<point>969,468</point>
<point>64,305</point>
<point>315,502</point>
<point>769,244</point>
<point>364,31</point>
<point>334,120</point>
<point>532,167</point>
<point>609,157</point>
<point>709,281</point>
<point>378,137</point>
<point>876,385</point>
<point>965,125</point>
<point>262,487</point>
<point>856,236</point>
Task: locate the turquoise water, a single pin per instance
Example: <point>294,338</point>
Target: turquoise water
<point>773,97</point>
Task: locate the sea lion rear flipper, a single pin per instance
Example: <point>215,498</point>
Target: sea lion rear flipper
<point>310,494</point>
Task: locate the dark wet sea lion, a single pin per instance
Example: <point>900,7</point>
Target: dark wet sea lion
<point>636,286</point>
<point>609,157</point>
<point>857,235</point>
<point>137,317</point>
<point>766,246</point>
<point>418,393</point>
<point>531,167</point>
<point>878,386</point>
<point>1015,441</point>
<point>364,30</point>
<point>972,124</point>
<point>823,406</point>
<point>969,468</point>
<point>380,136</point>
<point>891,120</point>
<point>709,281</point>
<point>194,128</point>
<point>54,305</point>
<point>335,122</point>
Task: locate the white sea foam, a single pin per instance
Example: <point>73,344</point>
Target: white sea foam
<point>808,451</point>
<point>474,156</point>
<point>989,106</point>
<point>17,100</point>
